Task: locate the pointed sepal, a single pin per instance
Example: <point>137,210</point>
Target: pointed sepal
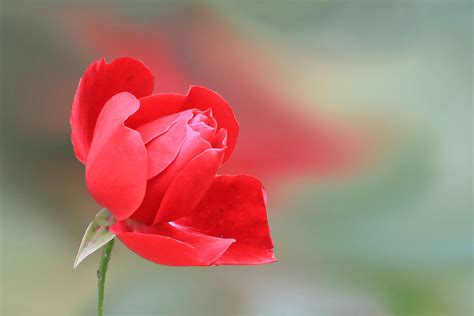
<point>97,235</point>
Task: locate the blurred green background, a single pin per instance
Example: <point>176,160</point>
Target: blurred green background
<point>357,115</point>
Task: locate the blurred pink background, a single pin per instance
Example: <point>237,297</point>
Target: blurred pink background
<point>356,115</point>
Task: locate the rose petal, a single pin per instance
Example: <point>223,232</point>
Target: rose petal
<point>235,207</point>
<point>157,186</point>
<point>190,185</point>
<point>208,248</point>
<point>155,128</point>
<point>220,139</point>
<point>204,124</point>
<point>155,106</point>
<point>116,166</point>
<point>242,254</point>
<point>172,245</point>
<point>163,150</point>
<point>160,249</point>
<point>203,99</point>
<point>99,83</point>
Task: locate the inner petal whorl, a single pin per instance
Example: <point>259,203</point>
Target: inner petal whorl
<point>203,123</point>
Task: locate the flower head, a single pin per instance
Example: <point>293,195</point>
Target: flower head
<point>152,160</point>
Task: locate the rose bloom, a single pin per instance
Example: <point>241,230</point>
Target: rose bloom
<point>152,160</point>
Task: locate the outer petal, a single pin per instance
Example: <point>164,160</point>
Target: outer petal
<point>116,168</point>
<point>235,207</point>
<point>100,82</point>
<point>203,99</point>
<point>172,245</point>
<point>242,254</point>
<point>160,249</point>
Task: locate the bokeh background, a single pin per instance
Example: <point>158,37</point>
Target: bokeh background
<point>357,115</point>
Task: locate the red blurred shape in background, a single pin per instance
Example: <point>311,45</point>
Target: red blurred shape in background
<point>198,48</point>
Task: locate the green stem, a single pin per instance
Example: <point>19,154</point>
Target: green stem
<point>104,262</point>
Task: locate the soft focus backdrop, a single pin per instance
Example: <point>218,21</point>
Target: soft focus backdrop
<point>356,115</point>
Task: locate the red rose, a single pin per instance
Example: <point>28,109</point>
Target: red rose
<point>151,160</point>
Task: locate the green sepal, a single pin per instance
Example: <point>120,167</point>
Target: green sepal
<point>97,235</point>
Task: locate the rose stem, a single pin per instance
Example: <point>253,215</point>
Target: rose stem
<point>104,262</point>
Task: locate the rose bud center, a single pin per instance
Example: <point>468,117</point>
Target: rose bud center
<point>203,123</point>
